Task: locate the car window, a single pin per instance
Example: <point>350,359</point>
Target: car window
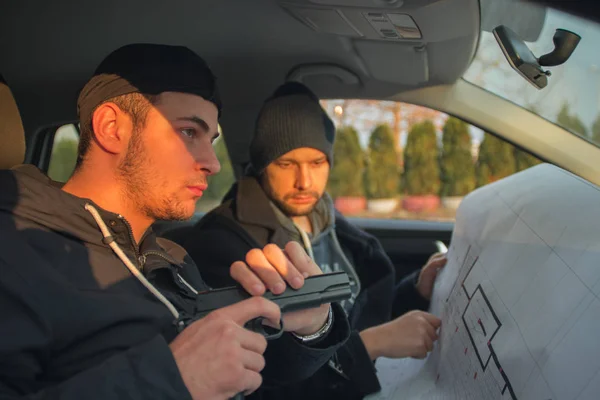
<point>397,160</point>
<point>64,153</point>
<point>219,184</point>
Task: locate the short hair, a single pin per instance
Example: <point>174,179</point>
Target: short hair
<point>136,105</point>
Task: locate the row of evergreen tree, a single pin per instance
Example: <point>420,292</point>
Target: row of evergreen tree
<point>428,169</point>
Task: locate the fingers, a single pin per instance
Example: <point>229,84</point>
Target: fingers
<point>436,262</point>
<point>439,262</point>
<point>252,341</point>
<point>428,344</point>
<point>301,260</point>
<point>252,381</point>
<point>271,268</point>
<point>249,309</point>
<point>257,270</point>
<point>430,331</point>
<point>260,265</point>
<point>240,272</point>
<point>253,361</point>
<point>286,267</point>
<point>432,319</point>
<point>436,256</point>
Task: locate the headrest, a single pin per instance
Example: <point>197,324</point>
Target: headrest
<point>12,134</point>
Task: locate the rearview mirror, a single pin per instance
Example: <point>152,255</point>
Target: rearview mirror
<point>522,59</point>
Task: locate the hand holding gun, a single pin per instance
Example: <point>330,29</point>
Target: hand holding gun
<point>317,290</point>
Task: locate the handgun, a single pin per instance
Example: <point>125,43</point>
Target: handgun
<point>317,290</point>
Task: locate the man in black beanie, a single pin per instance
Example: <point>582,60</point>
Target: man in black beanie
<point>94,306</point>
<point>283,198</point>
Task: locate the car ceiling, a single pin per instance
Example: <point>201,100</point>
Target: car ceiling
<point>49,49</point>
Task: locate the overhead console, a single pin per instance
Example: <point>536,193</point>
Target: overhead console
<point>391,38</point>
<point>367,19</point>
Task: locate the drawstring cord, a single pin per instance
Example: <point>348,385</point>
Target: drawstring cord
<point>108,239</point>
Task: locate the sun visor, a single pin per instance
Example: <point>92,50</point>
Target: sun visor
<point>394,62</point>
<point>324,20</point>
<point>361,3</point>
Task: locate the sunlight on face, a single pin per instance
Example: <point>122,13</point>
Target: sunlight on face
<point>297,180</point>
<point>168,162</point>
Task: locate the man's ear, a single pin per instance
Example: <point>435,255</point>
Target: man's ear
<point>112,128</point>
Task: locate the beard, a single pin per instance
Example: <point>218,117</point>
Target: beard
<point>144,185</point>
<point>289,209</point>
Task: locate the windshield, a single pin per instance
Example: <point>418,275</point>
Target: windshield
<point>572,97</point>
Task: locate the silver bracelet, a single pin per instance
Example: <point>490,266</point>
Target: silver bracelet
<point>320,333</point>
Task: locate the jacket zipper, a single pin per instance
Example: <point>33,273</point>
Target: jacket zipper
<point>335,365</point>
<point>168,258</point>
<point>159,254</point>
<point>139,262</point>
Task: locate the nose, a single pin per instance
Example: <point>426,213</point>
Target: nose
<point>207,161</point>
<point>303,178</point>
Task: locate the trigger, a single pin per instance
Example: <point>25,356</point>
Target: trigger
<point>273,333</point>
<point>269,333</point>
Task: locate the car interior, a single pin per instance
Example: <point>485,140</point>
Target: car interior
<point>413,51</point>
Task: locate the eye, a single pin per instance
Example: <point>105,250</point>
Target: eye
<point>188,132</point>
<point>318,163</point>
<point>284,164</point>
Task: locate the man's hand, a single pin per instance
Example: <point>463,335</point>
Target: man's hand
<point>411,335</point>
<point>217,357</point>
<point>429,273</point>
<point>271,268</point>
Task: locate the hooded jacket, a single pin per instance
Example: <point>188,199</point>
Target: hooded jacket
<point>76,324</point>
<point>248,219</point>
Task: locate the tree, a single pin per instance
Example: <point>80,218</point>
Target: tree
<point>496,160</point>
<point>421,161</point>
<point>457,167</point>
<point>381,178</point>
<point>346,177</point>
<point>570,121</point>
<point>524,160</point>
<point>63,158</point>
<point>596,130</point>
<point>219,184</point>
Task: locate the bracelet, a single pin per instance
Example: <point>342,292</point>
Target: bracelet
<point>320,333</point>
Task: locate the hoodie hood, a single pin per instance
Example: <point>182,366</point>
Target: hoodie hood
<point>36,201</point>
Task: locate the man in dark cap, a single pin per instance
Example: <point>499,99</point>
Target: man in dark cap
<point>93,305</point>
<point>283,198</point>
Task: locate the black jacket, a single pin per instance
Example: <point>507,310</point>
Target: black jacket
<point>246,220</point>
<point>77,325</point>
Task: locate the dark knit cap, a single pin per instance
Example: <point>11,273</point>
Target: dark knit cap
<point>290,119</point>
<point>148,69</point>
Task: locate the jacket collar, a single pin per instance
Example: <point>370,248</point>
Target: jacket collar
<point>253,206</point>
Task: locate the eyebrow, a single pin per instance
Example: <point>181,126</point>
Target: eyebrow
<point>284,159</point>
<point>196,120</point>
<point>201,123</point>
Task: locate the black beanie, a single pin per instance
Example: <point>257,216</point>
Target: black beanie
<point>148,69</point>
<point>290,119</point>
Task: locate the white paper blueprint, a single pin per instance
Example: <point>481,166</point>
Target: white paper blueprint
<point>518,298</point>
